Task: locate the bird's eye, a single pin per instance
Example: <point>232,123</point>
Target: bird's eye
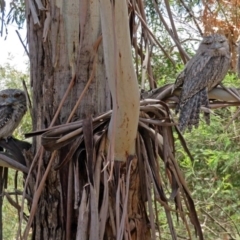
<point>207,43</point>
<point>222,41</point>
<point>17,95</point>
<point>4,95</point>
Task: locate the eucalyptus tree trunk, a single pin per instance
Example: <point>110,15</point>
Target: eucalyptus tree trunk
<point>66,43</point>
<point>56,55</point>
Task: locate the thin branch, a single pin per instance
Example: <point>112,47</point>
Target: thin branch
<point>155,39</point>
<point>17,192</point>
<point>218,223</point>
<point>192,16</point>
<point>6,161</point>
<point>183,54</point>
<point>29,103</point>
<point>228,217</point>
<point>223,12</point>
<point>2,23</point>
<point>232,119</point>
<point>181,50</point>
<point>37,195</point>
<point>25,48</point>
<point>234,94</point>
<point>70,86</point>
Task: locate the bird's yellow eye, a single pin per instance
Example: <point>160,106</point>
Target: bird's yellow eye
<point>4,96</point>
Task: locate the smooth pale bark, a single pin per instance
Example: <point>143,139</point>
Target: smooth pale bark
<point>121,78</point>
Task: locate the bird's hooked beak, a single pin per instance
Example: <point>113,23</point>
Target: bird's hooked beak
<point>8,101</point>
<point>216,45</point>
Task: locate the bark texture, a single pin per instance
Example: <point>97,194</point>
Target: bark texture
<point>61,46</point>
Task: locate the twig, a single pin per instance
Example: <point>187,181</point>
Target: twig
<point>219,224</point>
<point>144,67</point>
<point>29,103</point>
<point>6,161</point>
<point>2,22</point>
<point>224,14</point>
<point>22,43</point>
<point>151,34</point>
<point>41,149</point>
<point>69,201</point>
<point>192,16</point>
<point>37,195</point>
<point>183,41</point>
<point>12,202</point>
<point>155,39</point>
<point>181,50</point>
<point>230,91</point>
<point>229,217</point>
<point>63,100</point>
<point>232,119</point>
<point>17,192</point>
<point>183,54</point>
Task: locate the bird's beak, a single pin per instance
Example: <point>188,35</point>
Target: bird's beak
<point>8,101</point>
<point>217,45</point>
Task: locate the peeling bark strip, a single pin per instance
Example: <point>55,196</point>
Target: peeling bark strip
<point>121,78</point>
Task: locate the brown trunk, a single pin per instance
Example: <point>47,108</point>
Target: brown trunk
<point>53,63</point>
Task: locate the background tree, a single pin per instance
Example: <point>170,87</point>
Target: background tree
<point>69,43</point>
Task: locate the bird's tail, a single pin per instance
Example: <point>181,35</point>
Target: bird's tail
<point>190,111</point>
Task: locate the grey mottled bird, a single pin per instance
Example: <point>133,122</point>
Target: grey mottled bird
<point>12,108</point>
<point>202,73</point>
